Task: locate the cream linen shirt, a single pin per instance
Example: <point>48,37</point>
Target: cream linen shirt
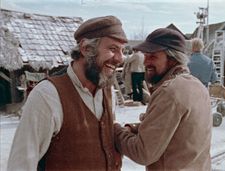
<point>41,119</point>
<point>136,62</point>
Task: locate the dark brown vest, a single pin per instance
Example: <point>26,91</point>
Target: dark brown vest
<point>84,143</point>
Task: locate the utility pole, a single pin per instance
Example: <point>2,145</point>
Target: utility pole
<point>0,10</point>
<point>203,21</point>
<point>207,25</point>
<point>142,28</point>
<point>202,15</point>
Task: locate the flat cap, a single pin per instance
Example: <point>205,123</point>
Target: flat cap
<point>107,26</point>
<point>162,39</point>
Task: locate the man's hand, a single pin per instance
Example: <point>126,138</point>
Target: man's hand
<point>132,127</point>
<point>128,128</point>
<point>141,116</point>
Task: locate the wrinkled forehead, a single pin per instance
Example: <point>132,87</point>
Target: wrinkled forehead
<point>109,41</point>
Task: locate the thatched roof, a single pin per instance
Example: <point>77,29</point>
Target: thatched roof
<point>37,40</point>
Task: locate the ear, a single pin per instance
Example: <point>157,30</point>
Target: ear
<point>83,48</point>
<point>172,62</point>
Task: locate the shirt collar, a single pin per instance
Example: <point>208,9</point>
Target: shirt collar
<point>75,80</point>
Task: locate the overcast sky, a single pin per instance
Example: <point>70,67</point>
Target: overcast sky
<point>137,16</point>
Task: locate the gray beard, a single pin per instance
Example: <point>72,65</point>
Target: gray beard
<point>106,81</point>
<point>93,73</point>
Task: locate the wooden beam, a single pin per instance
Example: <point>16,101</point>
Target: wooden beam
<point>5,77</point>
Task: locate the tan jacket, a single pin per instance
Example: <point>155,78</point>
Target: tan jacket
<point>175,133</point>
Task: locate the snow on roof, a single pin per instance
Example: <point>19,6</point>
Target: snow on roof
<point>37,40</point>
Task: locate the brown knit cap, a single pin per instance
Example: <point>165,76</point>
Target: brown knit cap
<point>107,26</point>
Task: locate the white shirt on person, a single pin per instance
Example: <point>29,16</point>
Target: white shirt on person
<point>42,118</point>
<point>136,62</point>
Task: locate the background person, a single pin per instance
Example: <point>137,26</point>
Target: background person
<point>126,73</point>
<point>67,120</point>
<point>175,131</point>
<point>137,71</point>
<point>200,65</point>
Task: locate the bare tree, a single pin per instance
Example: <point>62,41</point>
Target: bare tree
<point>141,34</point>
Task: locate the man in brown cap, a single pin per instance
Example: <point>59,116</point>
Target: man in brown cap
<point>67,121</point>
<point>175,132</point>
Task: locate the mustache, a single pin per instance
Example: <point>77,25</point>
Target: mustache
<point>112,62</point>
<point>149,66</point>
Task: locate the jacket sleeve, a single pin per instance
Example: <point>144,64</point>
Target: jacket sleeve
<point>154,133</point>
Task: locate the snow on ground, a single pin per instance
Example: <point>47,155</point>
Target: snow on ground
<point>8,125</point>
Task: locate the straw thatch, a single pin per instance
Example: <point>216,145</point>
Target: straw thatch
<point>36,40</point>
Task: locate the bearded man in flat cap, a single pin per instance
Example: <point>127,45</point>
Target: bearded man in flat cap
<point>175,132</point>
<point>67,121</point>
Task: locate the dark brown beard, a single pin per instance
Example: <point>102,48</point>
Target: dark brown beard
<point>92,71</point>
<point>156,78</point>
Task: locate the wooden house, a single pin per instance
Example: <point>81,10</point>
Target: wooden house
<point>37,44</point>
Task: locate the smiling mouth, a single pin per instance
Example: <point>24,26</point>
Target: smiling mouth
<point>113,67</point>
<point>150,69</point>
